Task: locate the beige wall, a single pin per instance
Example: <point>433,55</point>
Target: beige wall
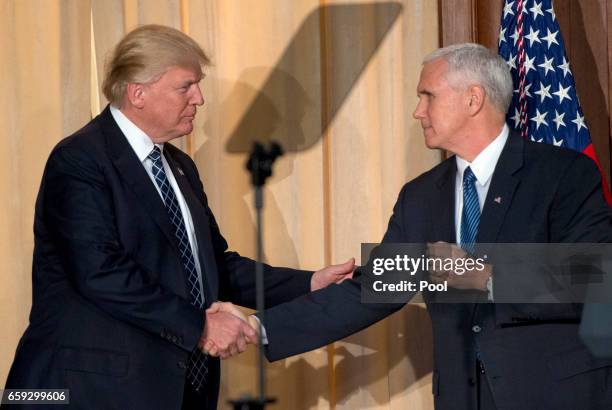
<point>333,80</point>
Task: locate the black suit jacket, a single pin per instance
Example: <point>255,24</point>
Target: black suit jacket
<point>111,318</point>
<point>532,353</point>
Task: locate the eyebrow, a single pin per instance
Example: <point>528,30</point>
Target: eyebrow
<point>424,92</point>
<point>190,82</point>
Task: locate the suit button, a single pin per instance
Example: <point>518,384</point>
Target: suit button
<point>476,329</point>
<point>174,339</point>
<point>471,381</point>
<point>182,365</point>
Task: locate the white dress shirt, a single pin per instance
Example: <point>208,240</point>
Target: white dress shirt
<point>482,167</point>
<point>142,146</point>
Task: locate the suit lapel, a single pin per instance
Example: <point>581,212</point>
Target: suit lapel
<point>443,210</point>
<point>201,223</point>
<point>131,170</point>
<point>501,191</point>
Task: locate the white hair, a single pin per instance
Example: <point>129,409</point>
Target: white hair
<point>469,64</point>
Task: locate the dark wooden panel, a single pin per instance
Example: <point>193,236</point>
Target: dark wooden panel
<point>563,13</point>
<point>609,25</point>
<point>587,46</point>
<point>457,21</point>
<point>488,17</point>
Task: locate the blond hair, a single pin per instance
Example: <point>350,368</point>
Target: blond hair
<point>144,55</point>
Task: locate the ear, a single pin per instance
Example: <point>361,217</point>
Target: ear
<point>476,99</point>
<point>135,93</point>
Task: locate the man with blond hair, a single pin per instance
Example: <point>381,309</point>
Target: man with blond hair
<point>128,255</point>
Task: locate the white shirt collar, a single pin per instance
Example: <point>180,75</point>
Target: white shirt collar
<point>137,138</point>
<point>485,162</point>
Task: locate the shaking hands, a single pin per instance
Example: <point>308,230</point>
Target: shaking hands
<point>228,330</point>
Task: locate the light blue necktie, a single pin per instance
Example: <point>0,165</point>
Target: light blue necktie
<point>197,362</point>
<point>470,216</point>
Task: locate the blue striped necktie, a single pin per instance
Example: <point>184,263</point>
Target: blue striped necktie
<point>470,215</point>
<point>197,362</point>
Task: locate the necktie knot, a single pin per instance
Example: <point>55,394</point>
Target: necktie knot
<point>155,154</point>
<point>468,176</point>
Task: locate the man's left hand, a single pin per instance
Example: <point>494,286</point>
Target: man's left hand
<point>332,274</point>
<point>470,279</point>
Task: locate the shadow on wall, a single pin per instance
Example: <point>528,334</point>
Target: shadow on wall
<point>296,103</point>
<point>300,95</point>
<point>376,356</point>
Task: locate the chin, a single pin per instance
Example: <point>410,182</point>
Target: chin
<point>187,130</point>
<point>431,144</point>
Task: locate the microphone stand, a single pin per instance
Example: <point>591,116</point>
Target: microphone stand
<point>259,164</point>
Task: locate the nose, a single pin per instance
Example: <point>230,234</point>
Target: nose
<point>419,111</point>
<point>197,98</point>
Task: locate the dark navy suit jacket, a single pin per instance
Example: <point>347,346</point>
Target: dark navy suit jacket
<point>533,356</point>
<point>111,318</point>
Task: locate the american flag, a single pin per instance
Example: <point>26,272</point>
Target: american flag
<point>545,106</point>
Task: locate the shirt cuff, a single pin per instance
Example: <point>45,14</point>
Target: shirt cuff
<point>489,286</point>
<point>264,335</point>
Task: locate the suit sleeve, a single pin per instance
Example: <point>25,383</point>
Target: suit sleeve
<point>579,212</point>
<point>281,284</point>
<point>79,213</point>
<point>237,273</point>
<point>329,314</point>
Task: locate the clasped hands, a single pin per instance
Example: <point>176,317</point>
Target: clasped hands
<point>469,279</point>
<point>228,331</point>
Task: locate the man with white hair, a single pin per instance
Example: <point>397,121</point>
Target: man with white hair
<point>496,188</point>
<point>128,254</point>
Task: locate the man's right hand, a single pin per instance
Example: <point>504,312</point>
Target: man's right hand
<point>226,332</point>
